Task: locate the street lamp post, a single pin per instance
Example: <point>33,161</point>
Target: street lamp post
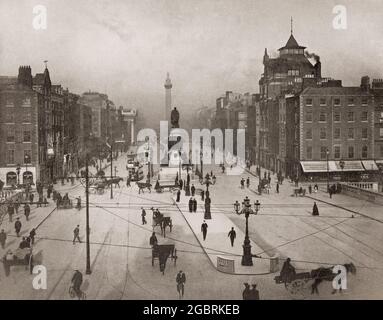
<point>88,270</point>
<point>341,164</point>
<point>247,211</point>
<point>18,174</point>
<point>328,171</point>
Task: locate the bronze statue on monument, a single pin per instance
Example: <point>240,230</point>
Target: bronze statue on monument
<point>174,118</point>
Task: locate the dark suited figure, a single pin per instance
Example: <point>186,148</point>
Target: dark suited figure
<point>246,292</point>
<point>204,229</point>
<point>181,183</point>
<point>277,187</point>
<point>254,293</point>
<point>188,179</point>
<point>76,234</point>
<point>192,189</point>
<point>203,195</point>
<point>232,236</point>
<point>153,240</point>
<point>315,210</point>
<point>17,226</point>
<point>178,195</point>
<point>194,205</point>
<point>3,238</point>
<point>191,205</point>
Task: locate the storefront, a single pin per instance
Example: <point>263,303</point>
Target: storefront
<point>12,176</point>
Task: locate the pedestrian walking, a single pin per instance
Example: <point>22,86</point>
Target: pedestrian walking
<point>40,200</point>
<point>315,210</point>
<point>188,179</point>
<point>192,189</point>
<point>202,195</point>
<point>248,182</point>
<point>128,181</point>
<point>316,188</point>
<point>17,226</point>
<point>76,234</point>
<point>32,235</point>
<point>246,292</point>
<point>31,197</point>
<point>153,239</point>
<point>11,211</point>
<point>191,205</point>
<point>242,183</point>
<point>181,279</point>
<point>187,190</point>
<point>3,238</point>
<point>254,293</point>
<point>194,205</point>
<point>232,235</point>
<point>17,205</point>
<point>181,184</point>
<point>178,196</point>
<point>204,227</point>
<point>27,211</point>
<point>277,187</point>
<point>310,189</point>
<point>143,216</point>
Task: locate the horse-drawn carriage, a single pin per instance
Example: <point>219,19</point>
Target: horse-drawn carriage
<point>162,185</point>
<point>160,220</point>
<point>299,192</point>
<point>298,283</point>
<point>64,204</point>
<point>162,252</point>
<point>18,257</point>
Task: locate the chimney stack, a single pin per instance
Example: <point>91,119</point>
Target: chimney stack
<point>25,76</point>
<point>365,83</point>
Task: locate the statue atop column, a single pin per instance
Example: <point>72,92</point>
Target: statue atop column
<point>174,118</point>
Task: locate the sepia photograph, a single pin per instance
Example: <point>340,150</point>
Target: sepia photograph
<point>191,150</point>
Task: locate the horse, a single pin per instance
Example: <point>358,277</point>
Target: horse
<point>163,222</point>
<point>114,181</point>
<point>143,185</point>
<point>326,274</point>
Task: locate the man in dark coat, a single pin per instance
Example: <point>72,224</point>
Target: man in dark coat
<point>315,210</point>
<point>203,195</point>
<point>254,293</point>
<point>194,205</point>
<point>31,197</point>
<point>188,179</point>
<point>11,211</point>
<point>143,215</point>
<point>187,190</point>
<point>3,238</point>
<point>310,189</point>
<point>277,187</point>
<point>76,234</point>
<point>191,205</point>
<point>204,227</point>
<point>17,226</point>
<point>77,282</point>
<point>178,195</point>
<point>232,236</point>
<point>181,183</point>
<point>287,271</point>
<point>246,292</point>
<point>32,235</point>
<point>192,189</point>
<point>27,211</point>
<point>153,239</point>
<point>248,182</point>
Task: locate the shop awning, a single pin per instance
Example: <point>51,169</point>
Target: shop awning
<point>379,161</point>
<point>351,165</point>
<point>370,165</point>
<point>314,166</point>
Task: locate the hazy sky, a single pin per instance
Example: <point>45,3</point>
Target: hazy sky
<point>125,47</point>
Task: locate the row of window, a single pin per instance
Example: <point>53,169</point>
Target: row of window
<point>337,152</point>
<point>337,101</point>
<point>11,156</point>
<point>10,117</point>
<point>26,103</point>
<point>337,116</point>
<point>27,137</point>
<point>337,133</point>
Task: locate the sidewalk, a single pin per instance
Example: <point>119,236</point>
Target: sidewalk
<point>217,243</point>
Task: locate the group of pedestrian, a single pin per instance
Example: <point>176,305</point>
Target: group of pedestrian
<point>250,294</point>
<point>192,204</point>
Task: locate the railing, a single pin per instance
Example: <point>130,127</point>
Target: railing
<point>363,194</point>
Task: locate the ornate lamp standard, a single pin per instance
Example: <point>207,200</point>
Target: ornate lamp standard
<point>328,171</point>
<point>341,164</point>
<point>247,211</point>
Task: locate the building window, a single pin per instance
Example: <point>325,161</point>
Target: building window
<point>364,133</point>
<point>364,101</point>
<point>309,134</point>
<point>364,152</point>
<point>309,116</point>
<point>309,102</point>
<point>381,117</point>
<point>322,101</point>
<point>309,152</point>
<point>337,133</point>
<point>27,156</point>
<point>364,116</point>
<point>337,152</point>
<point>351,101</point>
<point>337,116</point>
<point>322,133</point>
<point>26,103</point>
<point>323,153</point>
<point>381,150</point>
<point>11,156</point>
<point>11,135</point>
<point>9,116</point>
<point>27,136</point>
<point>322,117</point>
<point>337,102</point>
<point>381,132</point>
<point>350,134</point>
<point>350,152</point>
<point>26,117</point>
<point>350,116</point>
<point>293,72</point>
